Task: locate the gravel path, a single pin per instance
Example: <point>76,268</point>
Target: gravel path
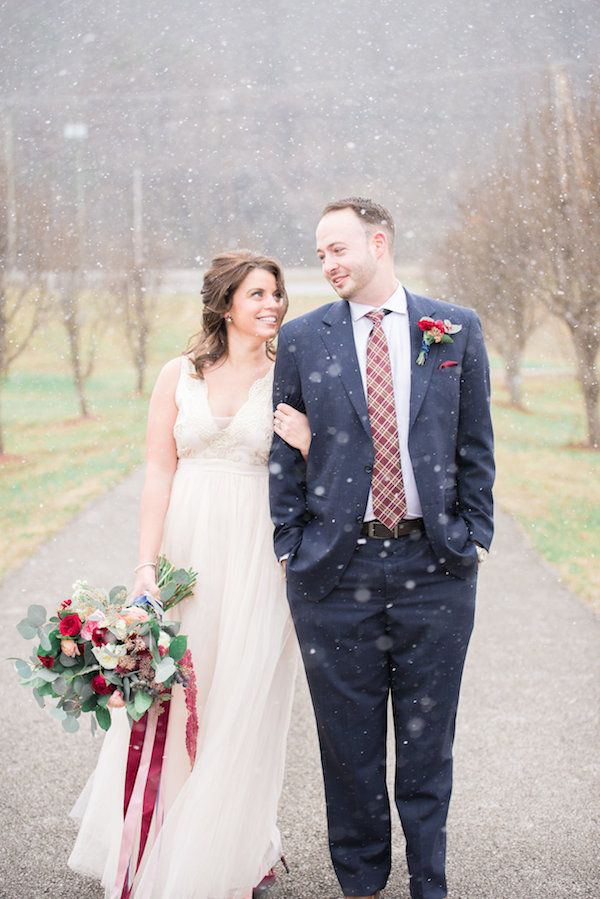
<point>524,821</point>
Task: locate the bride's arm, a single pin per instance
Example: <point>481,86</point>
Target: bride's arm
<point>293,427</point>
<point>161,462</point>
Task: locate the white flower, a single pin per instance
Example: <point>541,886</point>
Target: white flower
<point>108,655</point>
<point>164,640</point>
<point>450,328</point>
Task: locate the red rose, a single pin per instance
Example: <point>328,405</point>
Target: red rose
<point>100,636</point>
<point>99,685</point>
<point>425,324</point>
<point>439,324</point>
<point>70,625</point>
<point>47,661</point>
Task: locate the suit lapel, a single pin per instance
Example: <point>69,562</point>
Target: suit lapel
<point>420,375</point>
<point>338,337</point>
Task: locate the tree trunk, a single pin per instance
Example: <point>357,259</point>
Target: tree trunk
<point>141,337</point>
<point>1,423</point>
<point>71,323</point>
<point>588,375</point>
<point>514,380</point>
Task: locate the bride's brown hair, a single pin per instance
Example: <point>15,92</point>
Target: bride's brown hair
<point>226,273</point>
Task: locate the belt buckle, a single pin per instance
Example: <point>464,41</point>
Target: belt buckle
<point>396,530</point>
<point>371,528</point>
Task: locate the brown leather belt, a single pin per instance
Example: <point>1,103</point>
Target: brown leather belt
<point>404,527</point>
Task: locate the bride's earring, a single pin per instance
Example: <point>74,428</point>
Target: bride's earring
<point>228,319</point>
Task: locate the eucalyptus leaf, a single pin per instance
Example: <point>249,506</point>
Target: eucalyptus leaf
<point>22,668</point>
<point>60,686</point>
<point>164,670</point>
<point>71,705</point>
<point>168,592</point>
<point>44,639</point>
<point>27,630</point>
<point>142,702</point>
<point>36,615</point>
<point>67,661</point>
<point>47,675</point>
<point>39,699</point>
<point>59,714</point>
<point>70,724</point>
<point>93,725</point>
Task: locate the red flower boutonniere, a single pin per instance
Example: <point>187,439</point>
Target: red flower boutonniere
<point>435,331</point>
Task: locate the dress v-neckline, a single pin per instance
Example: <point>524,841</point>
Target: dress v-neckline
<point>232,418</point>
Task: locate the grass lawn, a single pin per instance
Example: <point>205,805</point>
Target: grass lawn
<point>58,462</point>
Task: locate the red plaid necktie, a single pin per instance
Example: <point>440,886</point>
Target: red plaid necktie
<point>387,485</point>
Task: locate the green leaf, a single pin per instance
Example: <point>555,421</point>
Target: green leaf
<point>164,670</point>
<point>103,718</point>
<point>67,661</point>
<point>60,685</point>
<point>168,592</point>
<point>70,724</point>
<point>59,714</point>
<point>36,615</point>
<point>103,700</point>
<point>117,595</point>
<point>22,668</point>
<point>142,701</point>
<point>89,704</point>
<point>46,690</point>
<point>177,648</point>
<point>47,675</point>
<point>39,698</point>
<point>131,711</point>
<point>155,629</point>
<point>27,630</point>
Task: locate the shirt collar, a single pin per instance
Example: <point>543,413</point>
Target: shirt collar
<point>396,303</point>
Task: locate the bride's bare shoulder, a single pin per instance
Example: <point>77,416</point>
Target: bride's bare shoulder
<point>168,376</point>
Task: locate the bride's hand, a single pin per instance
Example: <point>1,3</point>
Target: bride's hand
<point>292,426</point>
<point>145,582</point>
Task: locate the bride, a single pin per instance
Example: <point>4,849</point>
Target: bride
<point>205,505</point>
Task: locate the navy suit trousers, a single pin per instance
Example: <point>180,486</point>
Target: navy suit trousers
<point>397,624</point>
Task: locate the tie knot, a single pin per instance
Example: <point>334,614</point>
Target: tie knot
<point>376,316</point>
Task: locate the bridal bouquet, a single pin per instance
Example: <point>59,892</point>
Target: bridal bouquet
<point>101,651</point>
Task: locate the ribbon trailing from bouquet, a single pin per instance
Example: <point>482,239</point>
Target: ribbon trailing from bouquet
<point>142,796</point>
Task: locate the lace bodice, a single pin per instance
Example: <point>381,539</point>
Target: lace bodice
<point>247,437</point>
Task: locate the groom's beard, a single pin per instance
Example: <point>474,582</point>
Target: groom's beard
<point>356,280</point>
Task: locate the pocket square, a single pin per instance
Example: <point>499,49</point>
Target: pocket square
<point>447,364</point>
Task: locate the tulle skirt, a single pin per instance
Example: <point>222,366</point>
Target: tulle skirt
<point>219,835</point>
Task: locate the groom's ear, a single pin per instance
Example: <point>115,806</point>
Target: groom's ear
<point>381,243</point>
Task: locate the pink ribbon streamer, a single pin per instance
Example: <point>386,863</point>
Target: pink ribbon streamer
<point>124,878</point>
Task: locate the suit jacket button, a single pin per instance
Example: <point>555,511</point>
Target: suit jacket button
<point>359,517</point>
<point>368,469</point>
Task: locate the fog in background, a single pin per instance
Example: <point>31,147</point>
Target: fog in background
<point>226,123</point>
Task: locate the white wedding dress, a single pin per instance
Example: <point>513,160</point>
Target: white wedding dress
<point>219,837</point>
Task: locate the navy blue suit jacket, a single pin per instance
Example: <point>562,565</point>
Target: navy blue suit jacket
<point>318,506</point>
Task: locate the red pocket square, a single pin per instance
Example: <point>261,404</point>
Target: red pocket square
<point>447,364</point>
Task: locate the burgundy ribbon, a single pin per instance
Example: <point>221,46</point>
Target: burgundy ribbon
<point>136,743</point>
<point>153,779</point>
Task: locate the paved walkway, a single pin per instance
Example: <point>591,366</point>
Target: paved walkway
<point>525,815</point>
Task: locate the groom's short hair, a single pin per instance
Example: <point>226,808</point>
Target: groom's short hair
<point>372,215</point>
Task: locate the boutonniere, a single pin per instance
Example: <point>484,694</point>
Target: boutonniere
<point>435,331</point>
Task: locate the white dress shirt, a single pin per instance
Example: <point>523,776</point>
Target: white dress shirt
<point>396,328</point>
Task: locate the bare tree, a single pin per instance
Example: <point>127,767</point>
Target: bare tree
<point>562,159</point>
<point>486,263</point>
<point>22,301</point>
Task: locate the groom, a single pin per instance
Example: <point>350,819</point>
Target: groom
<point>381,532</point>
